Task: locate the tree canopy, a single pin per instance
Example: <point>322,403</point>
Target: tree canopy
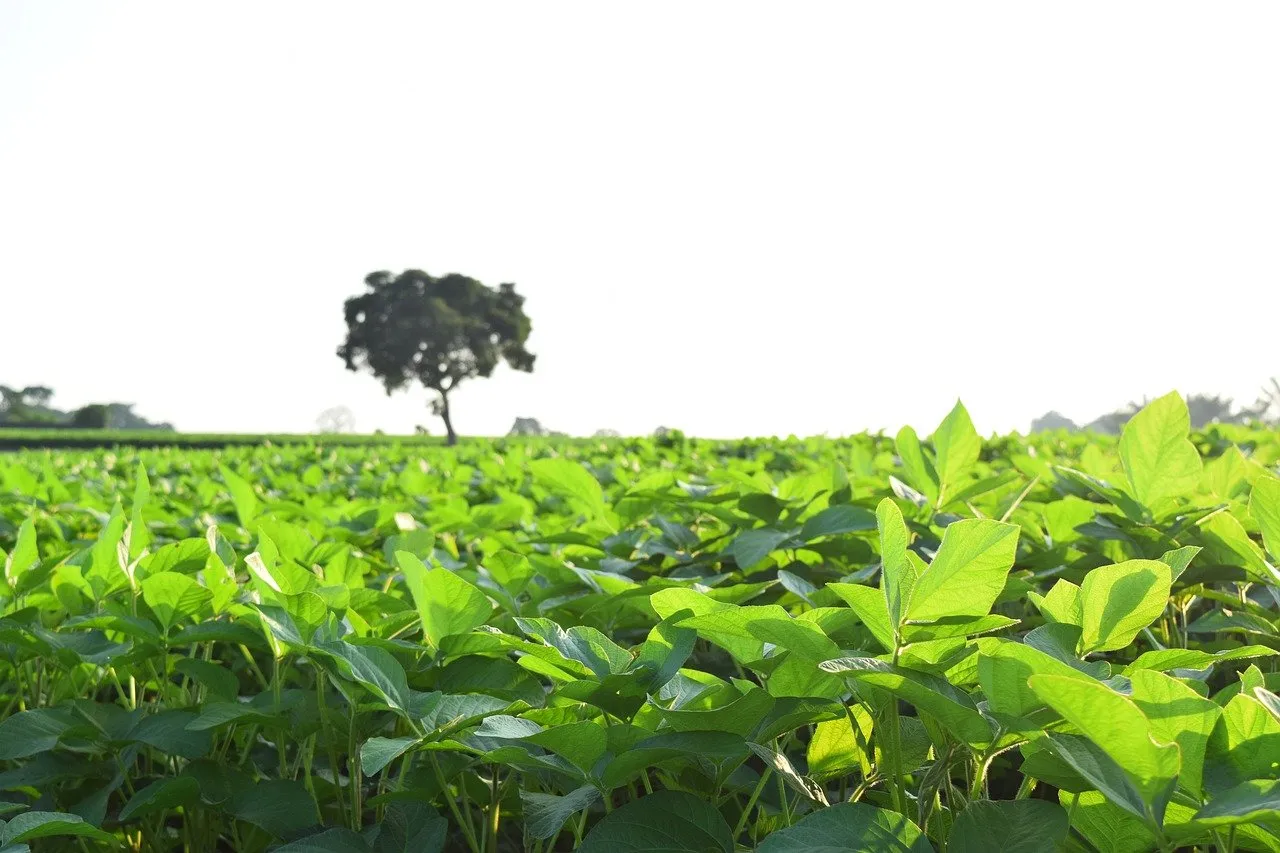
<point>22,404</point>
<point>438,331</point>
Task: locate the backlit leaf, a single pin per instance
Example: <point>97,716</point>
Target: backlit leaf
<point>1158,458</point>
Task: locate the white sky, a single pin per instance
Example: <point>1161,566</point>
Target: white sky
<point>729,217</point>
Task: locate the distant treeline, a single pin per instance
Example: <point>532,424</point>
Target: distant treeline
<point>83,439</point>
<point>1205,409</point>
<point>29,408</point>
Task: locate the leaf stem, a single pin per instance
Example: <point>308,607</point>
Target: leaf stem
<point>495,811</point>
<point>751,802</point>
<point>330,748</point>
<point>978,789</point>
<point>464,826</point>
<point>892,749</point>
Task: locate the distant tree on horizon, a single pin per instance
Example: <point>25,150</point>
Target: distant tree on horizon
<point>122,416</point>
<point>438,331</point>
<point>338,419</point>
<point>92,416</point>
<point>527,426</point>
<point>27,404</point>
<point>1267,406</point>
<point>1051,421</point>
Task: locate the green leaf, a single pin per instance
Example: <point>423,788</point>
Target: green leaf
<point>662,822</point>
<point>834,520</point>
<point>1132,510</point>
<point>834,749</point>
<point>282,627</point>
<point>1254,801</point>
<point>718,749</point>
<point>262,571</point>
<point>169,732</point>
<point>1005,666</point>
<point>573,481</point>
<point>307,610</point>
<point>377,752</point>
<point>1264,506</point>
<point>968,572</point>
<point>664,651</point>
<point>1268,700</point>
<point>411,827</point>
<point>1108,827</point>
<point>28,733</point>
<point>220,681</point>
<point>958,446</point>
<point>217,714</point>
<point>870,606</point>
<point>242,496</point>
<point>172,597</point>
<point>505,726</point>
<point>849,828</point>
<point>751,546</point>
<point>950,706</point>
<point>920,470</point>
<point>29,826</point>
<point>1102,772</point>
<point>545,814</point>
<point>586,645</point>
<point>282,807</point>
<point>1251,679</point>
<point>451,712</point>
<point>1060,604</point>
<point>1227,475</point>
<point>1177,714</point>
<point>1064,516</point>
<point>375,668</point>
<point>446,603</point>
<point>1229,543</point>
<point>1164,660</point>
<point>798,782</point>
<point>1227,619</point>
<point>161,795</point>
<point>1010,826</point>
<point>25,554</point>
<point>1158,457</point>
<point>139,535</point>
<point>792,712</point>
<point>329,841</point>
<point>1179,558</point>
<point>741,716</point>
<point>956,626</point>
<point>1118,601</point>
<point>1244,745</point>
<point>897,575</point>
<point>581,743</point>
<point>1118,727</point>
<point>186,556</point>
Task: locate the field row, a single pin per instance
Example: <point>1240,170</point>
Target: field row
<point>1065,642</point>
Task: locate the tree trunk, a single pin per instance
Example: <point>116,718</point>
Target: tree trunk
<point>442,408</point>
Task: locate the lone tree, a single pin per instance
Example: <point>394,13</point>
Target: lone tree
<point>338,419</point>
<point>438,331</point>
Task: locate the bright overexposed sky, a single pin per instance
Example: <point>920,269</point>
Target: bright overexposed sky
<point>729,217</point>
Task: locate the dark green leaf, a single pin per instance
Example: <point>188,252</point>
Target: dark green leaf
<point>663,822</point>
<point>849,828</point>
<point>1009,826</point>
